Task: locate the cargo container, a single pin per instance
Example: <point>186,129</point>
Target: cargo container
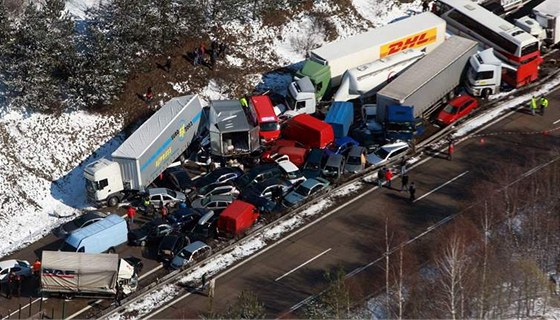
<point>309,131</point>
<point>430,81</point>
<point>340,117</point>
<point>237,218</point>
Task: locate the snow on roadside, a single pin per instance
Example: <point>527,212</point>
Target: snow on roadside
<point>78,8</point>
<point>219,262</point>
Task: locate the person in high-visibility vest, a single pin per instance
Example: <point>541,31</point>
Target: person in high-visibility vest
<point>533,105</point>
<point>544,104</point>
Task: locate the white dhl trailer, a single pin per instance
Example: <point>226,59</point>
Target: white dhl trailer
<point>326,65</point>
<point>142,157</point>
<point>76,274</point>
<point>431,80</point>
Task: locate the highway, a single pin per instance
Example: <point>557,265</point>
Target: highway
<point>352,238</point>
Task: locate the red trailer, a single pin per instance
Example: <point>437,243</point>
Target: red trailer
<point>308,130</point>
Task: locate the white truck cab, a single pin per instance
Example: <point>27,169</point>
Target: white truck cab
<point>103,180</point>
<point>485,74</point>
<point>301,97</point>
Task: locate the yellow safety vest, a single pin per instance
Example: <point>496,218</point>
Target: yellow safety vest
<point>243,102</point>
<point>533,103</point>
<point>544,102</point>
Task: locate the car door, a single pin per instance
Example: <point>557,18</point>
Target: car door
<point>397,153</point>
<point>156,200</point>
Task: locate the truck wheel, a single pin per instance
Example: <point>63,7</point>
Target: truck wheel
<point>485,93</point>
<point>111,250</point>
<point>113,202</point>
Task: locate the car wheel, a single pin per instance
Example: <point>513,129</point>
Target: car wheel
<point>143,243</point>
<point>113,201</point>
<point>111,250</point>
<point>485,93</point>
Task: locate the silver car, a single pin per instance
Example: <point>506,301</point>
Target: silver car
<point>160,197</point>
<point>305,190</point>
<point>356,160</point>
<point>216,202</point>
<point>195,251</point>
<point>387,153</point>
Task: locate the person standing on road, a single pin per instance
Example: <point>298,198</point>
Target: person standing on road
<point>388,177</point>
<point>36,267</point>
<point>450,149</point>
<point>18,280</point>
<point>412,192</point>
<point>164,211</point>
<point>167,65</point>
<point>543,104</point>
<point>404,181</point>
<point>380,177</point>
<point>131,213</point>
<point>211,287</point>
<point>533,105</point>
<point>425,5</point>
<point>11,284</point>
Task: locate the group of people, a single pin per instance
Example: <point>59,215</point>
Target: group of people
<point>15,282</point>
<point>217,50</point>
<point>385,175</point>
<point>148,208</point>
<point>538,105</point>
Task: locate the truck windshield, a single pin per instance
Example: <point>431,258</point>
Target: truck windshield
<point>90,185</point>
<point>270,126</point>
<point>400,126</point>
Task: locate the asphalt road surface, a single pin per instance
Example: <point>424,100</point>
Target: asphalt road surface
<point>290,272</point>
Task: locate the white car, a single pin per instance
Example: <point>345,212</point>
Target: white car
<point>387,153</point>
<point>292,172</point>
<point>20,267</point>
<point>160,197</point>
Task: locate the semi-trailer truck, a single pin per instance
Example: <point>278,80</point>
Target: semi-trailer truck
<point>142,157</point>
<point>547,15</point>
<point>430,81</point>
<point>326,65</point>
<point>76,274</point>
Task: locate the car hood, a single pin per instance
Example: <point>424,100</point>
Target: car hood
<point>197,203</point>
<point>293,198</point>
<point>353,167</point>
<point>137,234</point>
<point>177,262</point>
<point>446,118</point>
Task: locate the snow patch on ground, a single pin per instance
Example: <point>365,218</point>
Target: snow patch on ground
<point>78,8</point>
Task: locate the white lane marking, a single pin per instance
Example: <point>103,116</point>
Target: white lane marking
<point>303,264</point>
<point>555,122</point>
<point>25,306</point>
<point>443,185</point>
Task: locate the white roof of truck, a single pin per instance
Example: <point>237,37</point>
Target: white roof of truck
<point>377,37</point>
<point>139,141</point>
<point>79,261</point>
<point>427,68</point>
<point>549,7</point>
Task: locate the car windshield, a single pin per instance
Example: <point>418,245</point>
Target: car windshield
<point>382,153</point>
<point>205,201</point>
<point>450,109</point>
<point>294,174</point>
<point>80,221</point>
<point>206,189</point>
<point>331,168</point>
<point>172,193</point>
<point>185,254</point>
<point>302,190</point>
<point>269,126</point>
<point>354,160</point>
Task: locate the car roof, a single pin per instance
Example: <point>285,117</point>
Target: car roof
<point>152,191</point>
<point>195,246</point>
<point>8,263</point>
<point>219,197</point>
<point>356,151</point>
<point>334,158</point>
<point>458,100</point>
<point>288,166</point>
<point>310,183</point>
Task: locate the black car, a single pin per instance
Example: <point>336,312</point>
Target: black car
<point>271,189</point>
<point>314,163</point>
<point>170,245</point>
<point>206,227</point>
<point>218,175</point>
<point>258,174</point>
<point>82,221</point>
<point>177,178</point>
<point>151,231</point>
<point>185,219</point>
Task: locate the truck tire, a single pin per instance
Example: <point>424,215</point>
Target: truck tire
<point>485,93</point>
<point>113,201</point>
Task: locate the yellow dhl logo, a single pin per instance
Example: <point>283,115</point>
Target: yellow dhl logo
<point>418,40</point>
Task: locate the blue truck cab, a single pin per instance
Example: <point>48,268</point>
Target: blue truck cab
<point>102,236</point>
<point>340,116</point>
<point>400,123</point>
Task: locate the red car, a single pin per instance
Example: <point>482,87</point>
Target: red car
<point>293,149</point>
<point>457,108</point>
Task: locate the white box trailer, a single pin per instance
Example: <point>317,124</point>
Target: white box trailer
<point>426,83</point>
<point>142,157</point>
<point>547,15</point>
<point>85,274</point>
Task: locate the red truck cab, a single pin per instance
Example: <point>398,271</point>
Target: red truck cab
<point>264,116</point>
<point>237,218</point>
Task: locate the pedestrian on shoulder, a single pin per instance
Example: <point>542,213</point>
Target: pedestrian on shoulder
<point>164,211</point>
<point>404,181</point>
<point>11,284</point>
<point>533,105</point>
<point>543,104</point>
<point>211,287</point>
<point>17,288</point>
<point>131,213</point>
<point>149,96</point>
<point>202,49</point>
<point>388,177</point>
<point>222,50</point>
<point>380,177</point>
<point>203,281</point>
<point>412,192</point>
<point>450,149</point>
<point>36,267</point>
<point>425,5</point>
<point>213,58</point>
<point>167,65</point>
<point>404,169</point>
<point>214,46</point>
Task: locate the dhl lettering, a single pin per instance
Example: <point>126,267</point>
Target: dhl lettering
<point>163,156</point>
<point>418,40</point>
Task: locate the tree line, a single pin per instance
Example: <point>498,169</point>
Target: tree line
<point>50,62</point>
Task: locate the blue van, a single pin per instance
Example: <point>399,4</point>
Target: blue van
<point>102,236</point>
<point>340,116</point>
